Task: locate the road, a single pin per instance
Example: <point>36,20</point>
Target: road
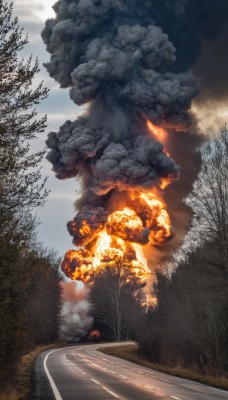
<point>83,373</point>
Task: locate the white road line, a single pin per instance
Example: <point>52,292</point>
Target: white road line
<point>110,392</point>
<point>223,391</point>
<point>98,383</point>
<point>176,398</point>
<point>148,387</point>
<point>52,383</point>
<point>161,379</point>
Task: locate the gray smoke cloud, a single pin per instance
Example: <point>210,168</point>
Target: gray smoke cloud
<point>118,65</point>
<point>76,320</point>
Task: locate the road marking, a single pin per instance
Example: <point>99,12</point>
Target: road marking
<point>124,377</point>
<point>176,398</point>
<point>110,392</point>
<point>52,383</point>
<point>148,387</point>
<point>98,383</point>
<point>161,379</point>
<point>223,391</point>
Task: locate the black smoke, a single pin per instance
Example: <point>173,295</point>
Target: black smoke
<point>131,60</point>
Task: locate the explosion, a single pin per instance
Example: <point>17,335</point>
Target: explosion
<point>123,235</point>
<point>117,60</point>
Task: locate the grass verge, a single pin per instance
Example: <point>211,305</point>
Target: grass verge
<point>21,389</point>
<point>130,353</point>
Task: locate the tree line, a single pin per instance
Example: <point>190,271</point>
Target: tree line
<point>188,327</point>
<point>30,294</point>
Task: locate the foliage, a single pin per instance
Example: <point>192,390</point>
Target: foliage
<point>30,295</point>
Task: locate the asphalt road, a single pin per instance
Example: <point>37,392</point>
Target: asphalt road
<point>83,373</point>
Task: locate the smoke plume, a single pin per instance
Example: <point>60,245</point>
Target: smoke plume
<point>75,318</point>
<point>132,61</point>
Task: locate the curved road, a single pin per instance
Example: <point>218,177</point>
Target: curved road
<point>83,373</point>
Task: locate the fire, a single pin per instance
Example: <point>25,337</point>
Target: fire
<point>153,213</point>
<point>165,182</point>
<point>121,239</point>
<point>127,225</point>
<point>94,336</point>
<point>159,132</point>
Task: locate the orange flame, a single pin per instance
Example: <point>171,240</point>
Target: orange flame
<point>159,132</point>
<point>122,238</point>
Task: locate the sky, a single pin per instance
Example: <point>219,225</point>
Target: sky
<point>59,205</point>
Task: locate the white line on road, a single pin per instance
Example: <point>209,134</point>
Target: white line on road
<point>223,391</point>
<point>110,392</point>
<point>98,383</point>
<point>52,383</point>
<point>176,398</point>
<point>148,387</point>
<point>161,379</point>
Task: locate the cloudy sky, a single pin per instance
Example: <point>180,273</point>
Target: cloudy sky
<point>58,107</point>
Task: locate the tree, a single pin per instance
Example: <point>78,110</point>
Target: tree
<point>209,199</point>
<point>26,273</point>
<point>114,294</point>
<point>20,183</point>
<point>189,325</point>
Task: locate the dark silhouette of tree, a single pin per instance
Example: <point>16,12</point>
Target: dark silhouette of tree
<point>115,295</point>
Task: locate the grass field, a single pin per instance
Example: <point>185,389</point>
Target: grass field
<point>130,353</point>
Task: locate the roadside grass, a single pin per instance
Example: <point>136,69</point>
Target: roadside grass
<point>20,389</point>
<point>131,353</point>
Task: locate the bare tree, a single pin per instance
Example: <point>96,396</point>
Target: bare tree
<point>113,291</point>
<point>209,200</point>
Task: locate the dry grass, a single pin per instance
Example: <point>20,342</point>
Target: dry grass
<point>130,353</point>
<point>9,394</point>
<point>21,390</point>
